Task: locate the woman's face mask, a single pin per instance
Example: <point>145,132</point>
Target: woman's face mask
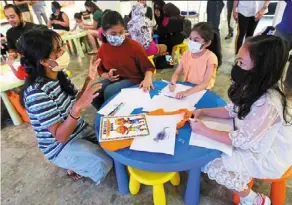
<point>62,62</point>
<point>54,9</point>
<point>115,40</point>
<point>194,47</point>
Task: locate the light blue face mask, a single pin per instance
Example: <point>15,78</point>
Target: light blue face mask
<point>115,40</point>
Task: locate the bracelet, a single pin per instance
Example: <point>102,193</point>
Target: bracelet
<point>75,118</point>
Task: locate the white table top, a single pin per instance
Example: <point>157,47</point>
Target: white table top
<point>8,80</point>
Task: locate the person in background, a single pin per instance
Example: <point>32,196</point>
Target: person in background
<point>124,62</point>
<point>170,33</point>
<point>92,30</point>
<point>4,47</point>
<point>262,143</point>
<point>40,12</point>
<point>79,22</point>
<point>148,14</point>
<point>18,27</point>
<point>158,12</point>
<point>23,6</point>
<point>140,29</point>
<point>214,9</point>
<point>58,20</point>
<point>247,14</point>
<point>200,63</point>
<point>229,14</point>
<point>54,107</point>
<point>284,28</point>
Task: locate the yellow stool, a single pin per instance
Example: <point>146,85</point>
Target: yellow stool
<point>152,61</point>
<point>178,50</point>
<point>155,179</point>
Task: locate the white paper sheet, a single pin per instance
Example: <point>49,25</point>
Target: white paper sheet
<point>156,125</point>
<point>168,104</point>
<point>218,124</point>
<point>193,99</point>
<point>132,98</point>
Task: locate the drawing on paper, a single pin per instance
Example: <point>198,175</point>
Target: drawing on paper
<point>118,128</point>
<point>162,135</point>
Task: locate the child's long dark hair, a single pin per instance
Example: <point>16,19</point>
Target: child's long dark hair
<point>269,55</point>
<point>36,45</point>
<point>208,34</point>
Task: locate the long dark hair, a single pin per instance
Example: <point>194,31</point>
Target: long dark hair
<point>110,19</point>
<point>56,5</point>
<point>36,45</point>
<point>92,5</point>
<point>208,34</point>
<point>269,55</point>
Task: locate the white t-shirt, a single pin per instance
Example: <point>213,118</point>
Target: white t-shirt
<point>250,8</point>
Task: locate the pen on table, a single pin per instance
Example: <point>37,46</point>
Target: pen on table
<point>170,97</point>
<point>116,109</point>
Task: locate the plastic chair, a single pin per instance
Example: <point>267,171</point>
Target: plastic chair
<point>178,50</point>
<point>155,179</point>
<point>151,59</point>
<point>278,189</point>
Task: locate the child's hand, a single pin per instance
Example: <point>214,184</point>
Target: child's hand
<point>198,127</point>
<point>181,95</point>
<point>9,61</point>
<point>171,87</point>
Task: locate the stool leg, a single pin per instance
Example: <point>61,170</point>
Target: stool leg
<point>175,179</point>
<point>134,185</point>
<point>278,193</point>
<point>159,195</point>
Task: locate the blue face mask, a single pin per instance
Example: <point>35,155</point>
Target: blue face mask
<point>54,10</point>
<point>115,40</point>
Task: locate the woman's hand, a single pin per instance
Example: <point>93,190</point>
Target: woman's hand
<point>181,95</point>
<point>198,127</point>
<point>92,71</point>
<point>260,14</point>
<point>86,97</point>
<point>235,15</point>
<point>146,84</point>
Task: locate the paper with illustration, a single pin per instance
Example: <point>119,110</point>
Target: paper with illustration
<point>162,135</point>
<point>124,127</point>
<point>217,124</point>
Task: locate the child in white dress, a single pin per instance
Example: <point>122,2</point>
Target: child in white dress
<point>261,108</point>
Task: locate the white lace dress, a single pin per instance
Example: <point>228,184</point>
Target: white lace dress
<point>262,146</point>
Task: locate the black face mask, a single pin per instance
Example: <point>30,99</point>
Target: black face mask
<point>239,75</point>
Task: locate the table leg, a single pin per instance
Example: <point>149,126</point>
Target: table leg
<point>11,110</point>
<point>192,194</point>
<point>79,47</point>
<point>122,178</point>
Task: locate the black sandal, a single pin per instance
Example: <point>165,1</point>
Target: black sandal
<point>230,35</point>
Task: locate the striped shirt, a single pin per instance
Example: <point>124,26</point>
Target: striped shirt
<point>46,104</point>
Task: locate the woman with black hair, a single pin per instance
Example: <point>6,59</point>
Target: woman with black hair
<point>261,107</point>
<point>170,32</point>
<point>124,62</point>
<point>58,20</point>
<point>158,11</point>
<point>54,106</point>
<point>92,30</point>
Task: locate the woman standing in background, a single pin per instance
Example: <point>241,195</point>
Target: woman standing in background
<point>24,8</point>
<point>40,11</point>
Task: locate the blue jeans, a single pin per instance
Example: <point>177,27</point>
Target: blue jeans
<point>85,157</point>
<point>109,89</point>
<point>214,9</point>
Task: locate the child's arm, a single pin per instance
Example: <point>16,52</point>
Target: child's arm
<point>219,112</point>
<point>203,85</point>
<point>75,27</point>
<point>175,76</point>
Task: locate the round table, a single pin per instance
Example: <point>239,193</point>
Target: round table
<point>186,157</point>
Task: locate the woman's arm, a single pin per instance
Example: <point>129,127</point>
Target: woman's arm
<point>64,23</point>
<point>93,26</point>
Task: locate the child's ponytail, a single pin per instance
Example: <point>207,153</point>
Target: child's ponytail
<point>208,34</point>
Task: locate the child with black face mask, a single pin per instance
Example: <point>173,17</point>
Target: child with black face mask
<point>261,107</point>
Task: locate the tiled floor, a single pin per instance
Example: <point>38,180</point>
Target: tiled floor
<point>29,179</point>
